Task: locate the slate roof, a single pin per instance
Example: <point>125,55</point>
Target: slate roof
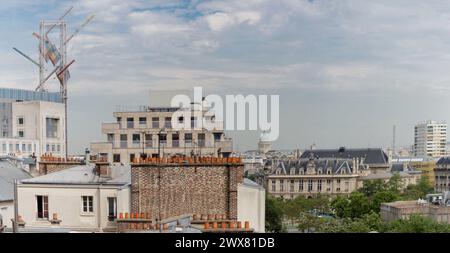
<point>84,174</point>
<point>336,164</point>
<point>9,172</point>
<point>370,155</point>
<point>443,161</point>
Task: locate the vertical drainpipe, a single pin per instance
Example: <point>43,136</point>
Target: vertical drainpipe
<point>99,211</point>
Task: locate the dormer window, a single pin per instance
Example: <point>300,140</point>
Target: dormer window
<point>319,171</point>
<point>329,171</point>
<point>301,171</point>
<point>292,171</point>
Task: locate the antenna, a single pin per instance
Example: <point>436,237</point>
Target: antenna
<point>393,141</point>
<point>58,57</point>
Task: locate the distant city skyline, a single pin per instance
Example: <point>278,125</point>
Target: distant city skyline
<point>346,71</point>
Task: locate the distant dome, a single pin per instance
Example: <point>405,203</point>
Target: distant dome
<point>264,137</point>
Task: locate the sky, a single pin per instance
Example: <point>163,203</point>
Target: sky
<point>346,71</point>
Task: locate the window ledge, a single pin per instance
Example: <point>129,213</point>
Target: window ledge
<point>87,214</point>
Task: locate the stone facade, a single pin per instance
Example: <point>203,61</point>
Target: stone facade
<point>308,177</point>
<point>166,190</point>
<point>442,175</point>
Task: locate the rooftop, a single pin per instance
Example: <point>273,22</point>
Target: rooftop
<point>30,95</point>
<point>370,155</point>
<point>8,173</point>
<point>84,175</point>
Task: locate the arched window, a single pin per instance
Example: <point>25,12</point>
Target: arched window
<point>319,171</point>
<point>329,171</point>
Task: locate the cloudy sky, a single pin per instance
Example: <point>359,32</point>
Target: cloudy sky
<point>346,71</point>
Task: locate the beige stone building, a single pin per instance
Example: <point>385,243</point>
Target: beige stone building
<point>148,130</point>
<point>312,176</point>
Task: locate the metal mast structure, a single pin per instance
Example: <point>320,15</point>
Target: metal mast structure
<point>55,58</point>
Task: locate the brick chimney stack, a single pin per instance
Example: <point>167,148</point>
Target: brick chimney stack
<point>102,169</point>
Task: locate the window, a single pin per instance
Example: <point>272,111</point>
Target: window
<point>123,140</point>
<point>17,147</point>
<point>163,138</point>
<point>88,204</point>
<point>130,122</point>
<point>110,137</point>
<point>51,126</point>
<point>188,138</point>
<point>167,122</point>
<point>29,148</point>
<point>273,186</point>
<point>217,136</point>
<point>24,147</point>
<point>148,141</point>
<point>20,121</point>
<point>175,140</point>
<point>319,185</point>
<point>20,133</point>
<point>132,156</point>
<point>142,121</point>
<point>291,188</point>
<point>136,138</point>
<point>201,140</point>
<point>155,122</point>
<point>42,207</point>
<point>116,158</point>
<point>4,147</point>
<point>281,185</point>
<point>112,208</point>
<point>310,185</point>
<point>300,185</point>
<point>193,122</point>
<point>53,148</point>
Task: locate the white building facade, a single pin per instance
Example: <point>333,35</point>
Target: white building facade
<point>82,200</point>
<point>430,139</point>
<point>32,123</point>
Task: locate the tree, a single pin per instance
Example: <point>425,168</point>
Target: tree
<point>274,215</point>
<point>381,197</point>
<point>395,183</point>
<point>370,187</point>
<point>420,190</point>
<point>359,204</point>
<point>341,206</point>
<point>416,224</point>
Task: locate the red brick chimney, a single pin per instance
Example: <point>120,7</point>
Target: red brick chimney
<point>102,169</point>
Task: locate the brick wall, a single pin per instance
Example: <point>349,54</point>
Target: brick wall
<point>51,167</point>
<point>179,189</point>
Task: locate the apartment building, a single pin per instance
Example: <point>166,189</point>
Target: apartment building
<point>148,130</point>
<point>31,123</point>
<point>430,139</point>
<point>442,175</point>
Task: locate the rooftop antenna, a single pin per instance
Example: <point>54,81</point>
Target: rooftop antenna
<point>59,63</point>
<point>393,141</point>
